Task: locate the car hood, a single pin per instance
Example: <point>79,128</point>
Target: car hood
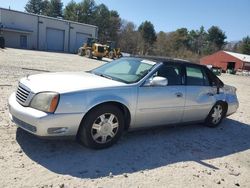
<point>63,82</point>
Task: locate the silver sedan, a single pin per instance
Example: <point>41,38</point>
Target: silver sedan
<point>128,93</point>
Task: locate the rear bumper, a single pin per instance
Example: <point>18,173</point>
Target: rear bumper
<point>232,107</point>
<point>43,124</point>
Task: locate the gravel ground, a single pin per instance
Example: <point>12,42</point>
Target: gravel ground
<point>183,156</point>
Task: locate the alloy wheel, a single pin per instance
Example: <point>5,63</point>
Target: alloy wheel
<point>104,128</point>
<point>217,114</point>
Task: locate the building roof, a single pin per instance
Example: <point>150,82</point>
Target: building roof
<point>242,57</point>
<point>18,30</point>
<point>48,17</point>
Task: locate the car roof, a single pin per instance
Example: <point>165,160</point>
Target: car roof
<point>161,59</point>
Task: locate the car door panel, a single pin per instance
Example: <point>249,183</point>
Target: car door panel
<point>199,101</point>
<point>200,95</point>
<point>160,105</point>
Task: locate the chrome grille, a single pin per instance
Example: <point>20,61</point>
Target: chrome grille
<point>22,95</point>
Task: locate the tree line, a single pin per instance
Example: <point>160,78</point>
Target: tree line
<point>143,39</point>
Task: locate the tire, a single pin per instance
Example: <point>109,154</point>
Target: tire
<point>216,115</point>
<point>81,52</point>
<point>97,132</point>
<point>89,54</point>
<point>111,55</point>
<point>99,58</point>
<point>2,42</point>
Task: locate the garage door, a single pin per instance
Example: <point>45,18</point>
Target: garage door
<point>55,39</point>
<point>81,38</point>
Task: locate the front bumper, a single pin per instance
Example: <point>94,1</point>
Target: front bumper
<point>42,123</point>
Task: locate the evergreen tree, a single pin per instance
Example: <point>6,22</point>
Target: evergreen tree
<point>45,8</point>
<point>55,8</point>
<point>101,19</point>
<point>71,11</point>
<point>216,39</point>
<point>114,25</point>
<point>148,36</point>
<point>86,11</point>
<point>34,6</point>
<point>245,45</point>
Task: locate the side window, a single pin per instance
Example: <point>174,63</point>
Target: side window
<point>171,72</point>
<point>196,76</point>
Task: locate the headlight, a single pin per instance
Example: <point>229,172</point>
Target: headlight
<point>46,101</point>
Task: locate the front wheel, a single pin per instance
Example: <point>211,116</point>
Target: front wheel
<point>102,127</point>
<point>216,115</point>
<point>99,58</point>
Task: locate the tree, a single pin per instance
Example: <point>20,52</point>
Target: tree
<point>102,17</point>
<point>161,45</point>
<point>114,25</point>
<point>55,8</point>
<point>86,10</point>
<point>34,6</point>
<point>244,46</point>
<point>45,8</point>
<point>197,40</point>
<point>128,37</point>
<point>181,39</point>
<point>216,39</point>
<point>148,36</point>
<point>71,11</point>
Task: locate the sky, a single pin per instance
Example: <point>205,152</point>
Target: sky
<point>232,16</point>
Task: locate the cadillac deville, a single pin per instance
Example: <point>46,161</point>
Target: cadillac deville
<point>129,93</point>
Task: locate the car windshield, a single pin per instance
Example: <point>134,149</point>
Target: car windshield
<point>127,70</point>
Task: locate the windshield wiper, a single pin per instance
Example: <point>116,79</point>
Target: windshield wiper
<point>104,76</point>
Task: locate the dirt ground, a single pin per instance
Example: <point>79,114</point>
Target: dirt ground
<point>183,156</point>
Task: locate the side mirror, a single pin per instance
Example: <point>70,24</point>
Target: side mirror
<point>157,81</point>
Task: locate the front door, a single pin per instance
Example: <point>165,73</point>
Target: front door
<point>161,105</point>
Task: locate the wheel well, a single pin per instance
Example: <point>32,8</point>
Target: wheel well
<point>225,105</point>
<point>122,107</point>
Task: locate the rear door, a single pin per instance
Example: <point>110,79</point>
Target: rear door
<point>200,95</point>
<point>162,105</point>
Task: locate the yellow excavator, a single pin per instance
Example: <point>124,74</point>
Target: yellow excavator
<point>92,49</point>
<point>112,51</point>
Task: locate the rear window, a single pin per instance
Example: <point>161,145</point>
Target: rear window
<point>196,76</point>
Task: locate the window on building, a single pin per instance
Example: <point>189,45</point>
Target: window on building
<point>23,41</point>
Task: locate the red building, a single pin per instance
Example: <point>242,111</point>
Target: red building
<point>227,60</point>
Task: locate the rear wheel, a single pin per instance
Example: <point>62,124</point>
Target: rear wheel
<point>88,53</point>
<point>2,42</point>
<point>216,115</point>
<point>81,52</point>
<point>102,127</point>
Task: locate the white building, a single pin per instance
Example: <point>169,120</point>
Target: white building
<point>31,31</point>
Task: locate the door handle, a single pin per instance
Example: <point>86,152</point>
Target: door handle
<point>179,94</point>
